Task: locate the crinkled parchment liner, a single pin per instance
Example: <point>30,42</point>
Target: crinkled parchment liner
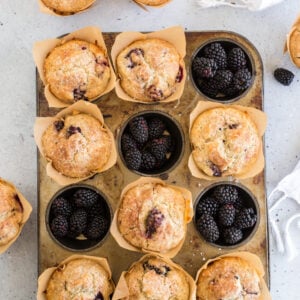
<point>174,35</point>
<point>41,49</point>
<point>27,208</point>
<point>114,229</point>
<point>42,123</point>
<point>122,291</point>
<point>143,5</point>
<point>292,44</point>
<point>46,275</point>
<point>260,120</point>
<point>253,260</point>
<point>45,9</point>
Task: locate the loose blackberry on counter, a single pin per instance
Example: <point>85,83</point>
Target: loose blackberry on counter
<point>284,76</point>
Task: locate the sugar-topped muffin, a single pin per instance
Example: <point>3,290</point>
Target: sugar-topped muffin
<point>229,278</point>
<point>80,278</point>
<point>150,70</point>
<point>154,278</point>
<point>67,6</point>
<point>225,141</point>
<point>78,145</point>
<point>11,213</point>
<point>152,216</point>
<point>77,70</point>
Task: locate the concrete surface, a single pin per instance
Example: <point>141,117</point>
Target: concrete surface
<point>21,24</point>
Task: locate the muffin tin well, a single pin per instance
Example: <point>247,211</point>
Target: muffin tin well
<point>116,113</point>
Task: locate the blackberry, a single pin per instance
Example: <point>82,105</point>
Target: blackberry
<point>168,141</point>
<point>225,194</point>
<point>238,204</point>
<point>78,221</point>
<point>209,88</point>
<point>222,79</point>
<point>216,52</point>
<point>139,129</point>
<point>97,228</point>
<point>96,210</point>
<point>231,91</point>
<point>208,228</point>
<point>61,206</point>
<point>148,161</point>
<point>127,142</point>
<point>59,226</point>
<point>236,59</point>
<point>85,198</point>
<point>226,215</point>
<point>242,79</point>
<point>284,76</point>
<point>133,159</point>
<point>232,235</point>
<point>246,218</point>
<point>207,206</point>
<point>156,127</point>
<point>204,67</point>
<point>158,148</point>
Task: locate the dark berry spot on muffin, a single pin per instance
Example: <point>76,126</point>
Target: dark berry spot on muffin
<point>59,125</point>
<point>179,74</point>
<point>99,296</point>
<point>72,130</point>
<point>102,62</point>
<point>134,57</point>
<point>163,270</point>
<point>216,171</point>
<point>154,93</point>
<point>78,94</point>
<point>83,48</point>
<point>233,126</point>
<point>153,221</point>
<point>136,51</point>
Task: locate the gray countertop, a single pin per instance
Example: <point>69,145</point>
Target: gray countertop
<point>21,24</point>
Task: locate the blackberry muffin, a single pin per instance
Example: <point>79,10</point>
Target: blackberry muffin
<point>77,70</point>
<point>157,278</point>
<point>65,7</point>
<point>78,145</point>
<point>225,141</point>
<point>81,278</point>
<point>153,216</point>
<point>11,213</point>
<point>229,278</point>
<point>150,70</point>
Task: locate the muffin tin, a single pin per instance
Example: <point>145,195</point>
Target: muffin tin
<point>116,112</point>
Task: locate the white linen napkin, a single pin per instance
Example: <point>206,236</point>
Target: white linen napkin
<point>250,4</point>
<point>288,187</point>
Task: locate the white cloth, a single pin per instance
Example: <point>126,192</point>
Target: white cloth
<point>250,4</point>
<point>288,187</point>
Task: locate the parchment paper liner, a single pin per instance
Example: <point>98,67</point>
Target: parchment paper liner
<point>45,9</point>
<point>42,48</point>
<point>174,35</point>
<point>42,123</point>
<point>260,120</point>
<point>46,275</point>
<point>292,44</point>
<point>122,291</point>
<point>114,229</point>
<point>144,6</point>
<point>26,214</point>
<point>253,260</point>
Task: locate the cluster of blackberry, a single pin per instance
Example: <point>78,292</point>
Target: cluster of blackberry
<point>223,217</point>
<point>146,144</point>
<point>81,212</point>
<point>221,74</point>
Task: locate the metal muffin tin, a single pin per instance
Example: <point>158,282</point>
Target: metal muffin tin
<point>195,250</point>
